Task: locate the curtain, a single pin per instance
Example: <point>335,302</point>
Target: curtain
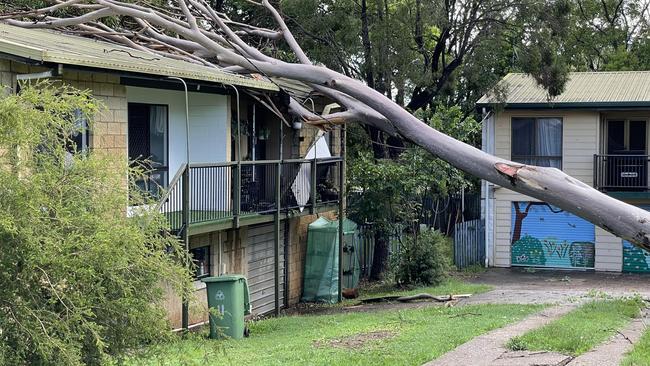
<point>158,134</point>
<point>548,142</point>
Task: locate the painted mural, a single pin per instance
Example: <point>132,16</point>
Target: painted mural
<point>635,259</point>
<point>546,236</point>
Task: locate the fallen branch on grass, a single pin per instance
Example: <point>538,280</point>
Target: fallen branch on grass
<point>445,298</point>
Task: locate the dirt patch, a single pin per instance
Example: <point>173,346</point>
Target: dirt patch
<point>356,341</point>
<point>325,309</point>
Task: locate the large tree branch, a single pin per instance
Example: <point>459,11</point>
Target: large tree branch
<point>549,185</point>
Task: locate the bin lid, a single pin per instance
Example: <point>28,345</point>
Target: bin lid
<point>224,278</point>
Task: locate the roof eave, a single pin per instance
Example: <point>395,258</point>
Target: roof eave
<point>565,105</point>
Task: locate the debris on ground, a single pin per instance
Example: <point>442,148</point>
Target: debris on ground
<point>423,296</point>
<point>354,342</point>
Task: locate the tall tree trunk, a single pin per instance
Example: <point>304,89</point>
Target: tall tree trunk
<point>375,134</point>
<point>380,255</point>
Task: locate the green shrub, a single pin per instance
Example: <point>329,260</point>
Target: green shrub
<point>80,282</point>
<point>424,259</point>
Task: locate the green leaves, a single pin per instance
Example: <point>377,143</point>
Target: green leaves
<point>390,192</point>
<point>79,281</point>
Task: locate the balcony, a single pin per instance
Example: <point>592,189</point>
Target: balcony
<point>621,173</point>
<point>216,196</point>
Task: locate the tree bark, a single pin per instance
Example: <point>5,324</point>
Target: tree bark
<point>380,255</point>
<point>366,105</point>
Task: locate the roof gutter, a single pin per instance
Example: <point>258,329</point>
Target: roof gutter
<point>571,105</point>
<point>57,71</point>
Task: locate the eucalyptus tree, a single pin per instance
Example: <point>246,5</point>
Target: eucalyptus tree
<point>193,30</point>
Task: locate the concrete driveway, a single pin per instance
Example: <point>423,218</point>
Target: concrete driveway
<point>528,286</point>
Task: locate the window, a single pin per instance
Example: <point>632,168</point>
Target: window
<point>77,142</point>
<point>201,257</point>
<point>148,144</point>
<point>79,136</point>
<point>626,137</point>
<point>537,141</point>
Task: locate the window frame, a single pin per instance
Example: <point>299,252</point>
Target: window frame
<point>519,158</point>
<point>161,168</point>
<point>209,262</point>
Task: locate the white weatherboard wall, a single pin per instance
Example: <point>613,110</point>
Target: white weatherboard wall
<point>580,141</point>
<point>209,116</point>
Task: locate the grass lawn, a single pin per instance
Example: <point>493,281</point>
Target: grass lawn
<point>580,330</point>
<point>640,355</point>
<point>397,337</point>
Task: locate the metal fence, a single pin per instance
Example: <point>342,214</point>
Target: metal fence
<point>621,172</point>
<point>469,243</point>
<point>230,189</point>
<point>445,214</point>
<point>367,246</point>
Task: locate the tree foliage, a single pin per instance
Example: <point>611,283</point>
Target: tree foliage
<point>79,281</point>
<point>424,259</point>
<point>389,193</point>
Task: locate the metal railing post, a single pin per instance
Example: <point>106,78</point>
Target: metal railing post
<point>595,178</point>
<point>314,167</point>
<point>237,194</point>
<point>341,210</point>
<point>185,316</point>
<point>276,247</point>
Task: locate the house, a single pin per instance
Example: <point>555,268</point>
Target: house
<point>596,131</point>
<point>247,195</point>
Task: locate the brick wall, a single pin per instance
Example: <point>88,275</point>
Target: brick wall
<point>109,132</point>
<point>7,78</point>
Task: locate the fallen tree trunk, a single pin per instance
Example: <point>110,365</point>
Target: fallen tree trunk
<point>203,33</point>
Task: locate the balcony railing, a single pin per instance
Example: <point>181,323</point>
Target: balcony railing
<point>231,190</point>
<point>621,172</point>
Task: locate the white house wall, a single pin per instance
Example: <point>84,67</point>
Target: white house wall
<point>209,116</point>
<point>580,141</point>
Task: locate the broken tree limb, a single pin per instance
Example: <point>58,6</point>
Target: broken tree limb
<point>213,39</point>
<point>422,296</point>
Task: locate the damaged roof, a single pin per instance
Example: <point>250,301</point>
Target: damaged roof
<point>583,90</point>
<point>45,46</point>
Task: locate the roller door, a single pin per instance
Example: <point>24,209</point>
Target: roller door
<point>261,267</point>
<point>546,236</point>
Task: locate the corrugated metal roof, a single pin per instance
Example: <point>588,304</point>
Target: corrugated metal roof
<point>48,46</point>
<point>583,89</point>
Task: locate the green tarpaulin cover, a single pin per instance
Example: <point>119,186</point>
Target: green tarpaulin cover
<point>321,277</point>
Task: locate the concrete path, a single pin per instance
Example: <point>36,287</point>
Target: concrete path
<point>612,352</point>
<point>488,349</point>
<point>564,289</point>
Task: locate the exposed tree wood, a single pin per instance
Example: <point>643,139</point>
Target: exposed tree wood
<point>422,296</point>
<point>223,47</point>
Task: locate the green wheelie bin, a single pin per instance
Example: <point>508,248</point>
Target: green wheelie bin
<point>228,296</point>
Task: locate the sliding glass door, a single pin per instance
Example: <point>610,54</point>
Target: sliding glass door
<point>149,144</point>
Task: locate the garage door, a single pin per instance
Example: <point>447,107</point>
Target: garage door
<point>545,236</point>
<point>261,267</point>
<point>636,259</point>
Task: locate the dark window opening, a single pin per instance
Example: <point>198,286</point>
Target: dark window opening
<point>537,141</point>
<point>201,258</point>
<point>148,144</point>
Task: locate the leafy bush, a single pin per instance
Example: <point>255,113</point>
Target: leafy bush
<point>424,259</point>
<point>80,283</point>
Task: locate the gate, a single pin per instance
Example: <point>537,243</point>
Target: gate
<point>469,243</point>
